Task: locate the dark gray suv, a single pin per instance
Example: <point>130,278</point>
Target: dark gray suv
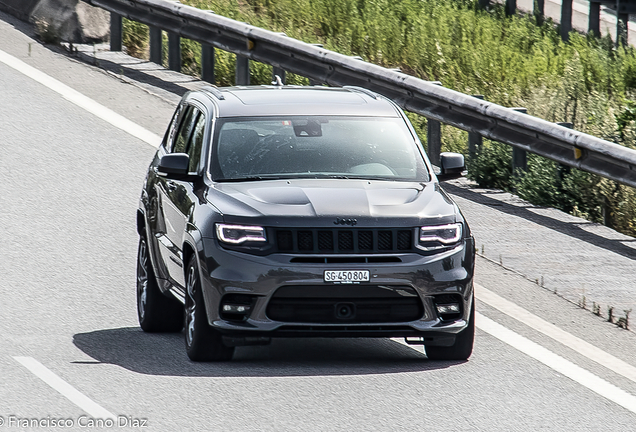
<point>283,211</point>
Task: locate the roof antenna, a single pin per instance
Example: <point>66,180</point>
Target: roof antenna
<point>278,82</point>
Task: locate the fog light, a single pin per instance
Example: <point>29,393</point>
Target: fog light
<point>235,308</point>
<point>452,308</point>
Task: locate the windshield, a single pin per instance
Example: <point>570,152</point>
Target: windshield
<point>315,147</point>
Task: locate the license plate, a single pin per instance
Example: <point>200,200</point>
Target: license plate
<point>346,276</point>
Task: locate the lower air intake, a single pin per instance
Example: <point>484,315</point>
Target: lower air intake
<point>347,306</point>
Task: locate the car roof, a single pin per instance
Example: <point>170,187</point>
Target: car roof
<point>256,101</point>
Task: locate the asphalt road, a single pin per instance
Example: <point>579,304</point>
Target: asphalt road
<point>70,346</point>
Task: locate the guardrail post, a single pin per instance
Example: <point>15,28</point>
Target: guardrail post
<point>606,212</point>
<point>174,52</point>
<point>156,45</point>
<point>566,19</point>
<point>475,140</point>
<point>511,7</point>
<point>280,72</point>
<point>538,10</point>
<point>562,170</point>
<point>433,140</point>
<point>519,156</point>
<point>621,28</point>
<point>594,21</point>
<point>207,63</point>
<point>242,74</point>
<point>116,28</point>
<point>519,160</point>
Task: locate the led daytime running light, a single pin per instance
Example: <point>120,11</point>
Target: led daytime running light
<point>242,233</point>
<point>437,233</point>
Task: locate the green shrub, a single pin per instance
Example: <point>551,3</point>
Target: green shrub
<point>541,184</point>
<point>491,167</point>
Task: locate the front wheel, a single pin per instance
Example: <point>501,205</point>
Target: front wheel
<point>155,311</point>
<point>203,343</point>
<point>463,346</point>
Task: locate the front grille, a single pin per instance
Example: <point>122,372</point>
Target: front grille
<point>376,259</point>
<point>404,240</point>
<point>349,241</point>
<point>365,240</point>
<point>305,241</point>
<point>325,241</point>
<point>285,240</point>
<point>356,304</point>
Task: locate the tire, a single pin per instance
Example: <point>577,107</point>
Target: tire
<point>156,312</point>
<point>463,346</point>
<point>203,343</point>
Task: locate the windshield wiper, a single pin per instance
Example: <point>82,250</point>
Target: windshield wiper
<point>300,176</point>
<point>253,178</point>
<point>328,176</point>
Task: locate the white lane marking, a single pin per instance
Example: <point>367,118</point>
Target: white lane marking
<point>580,346</point>
<point>65,389</point>
<point>558,363</point>
<point>81,101</point>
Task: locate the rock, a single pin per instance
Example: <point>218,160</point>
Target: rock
<point>72,20</point>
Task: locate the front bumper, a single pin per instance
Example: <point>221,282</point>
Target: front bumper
<point>230,272</point>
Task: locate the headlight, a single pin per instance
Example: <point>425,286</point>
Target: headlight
<point>445,234</point>
<point>237,234</point>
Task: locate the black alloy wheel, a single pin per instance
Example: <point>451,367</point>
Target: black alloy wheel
<point>203,343</point>
<point>156,312</point>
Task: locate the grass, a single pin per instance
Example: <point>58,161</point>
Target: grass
<point>512,61</point>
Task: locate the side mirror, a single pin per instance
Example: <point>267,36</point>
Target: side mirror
<point>452,165</point>
<point>174,166</point>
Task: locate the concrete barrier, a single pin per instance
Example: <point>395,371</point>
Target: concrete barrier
<point>72,20</point>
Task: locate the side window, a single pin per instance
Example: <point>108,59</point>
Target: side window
<point>196,142</point>
<point>185,127</point>
<point>172,129</point>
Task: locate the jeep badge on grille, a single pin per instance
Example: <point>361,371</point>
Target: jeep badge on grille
<point>341,221</point>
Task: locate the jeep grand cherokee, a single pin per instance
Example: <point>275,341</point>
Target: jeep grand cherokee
<point>282,211</point>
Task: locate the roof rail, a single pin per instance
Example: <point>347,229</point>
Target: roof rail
<point>214,91</point>
<point>362,90</point>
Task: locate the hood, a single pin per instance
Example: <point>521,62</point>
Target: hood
<point>364,203</point>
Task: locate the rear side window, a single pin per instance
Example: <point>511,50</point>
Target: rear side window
<point>172,129</point>
<point>196,142</point>
<point>185,128</point>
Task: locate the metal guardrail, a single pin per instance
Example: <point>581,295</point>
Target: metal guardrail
<point>495,122</point>
<point>622,9</point>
